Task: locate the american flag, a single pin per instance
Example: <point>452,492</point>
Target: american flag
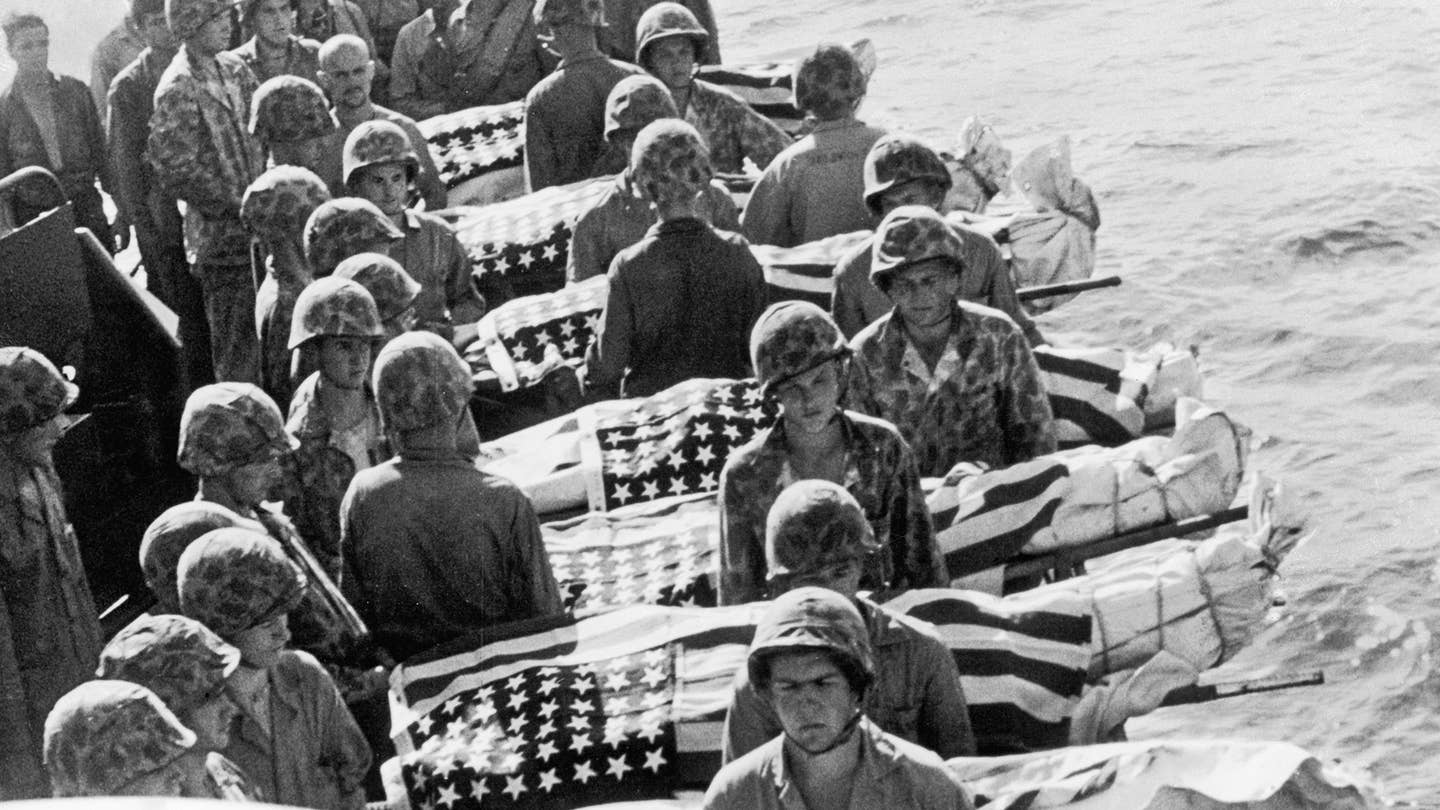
<point>522,339</point>
<point>469,143</point>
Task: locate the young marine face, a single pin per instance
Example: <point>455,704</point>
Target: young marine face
<point>387,185</point>
<point>261,645</point>
<point>345,361</point>
<point>672,61</point>
<point>214,36</point>
<point>812,697</point>
<point>923,292</point>
<point>273,22</point>
<point>213,720</point>
<point>156,33</point>
<point>809,401</point>
<point>30,48</point>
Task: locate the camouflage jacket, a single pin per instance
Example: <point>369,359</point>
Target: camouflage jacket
<point>203,152</point>
<point>983,402</point>
<point>879,471</point>
<point>732,130</point>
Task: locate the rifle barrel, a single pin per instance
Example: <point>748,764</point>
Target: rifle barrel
<point>1066,288</point>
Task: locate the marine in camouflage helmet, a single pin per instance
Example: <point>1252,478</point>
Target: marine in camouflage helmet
<point>791,338</point>
<point>228,425</point>
<point>636,101</point>
<point>343,227</point>
<point>234,579</point>
<point>103,735</point>
<point>393,289</point>
<point>569,12</point>
<point>374,143</point>
<point>911,234</point>
<point>32,390</point>
<point>812,525</point>
<point>187,17</point>
<point>179,659</point>
<point>895,160</point>
<point>277,205</point>
<point>670,162</point>
<point>334,307</point>
<point>816,619</point>
<point>420,382</point>
<point>828,83</point>
<point>665,20</point>
<point>289,109</point>
<point>167,538</point>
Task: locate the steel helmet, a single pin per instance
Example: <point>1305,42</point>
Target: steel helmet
<point>563,12</point>
<point>334,307</point>
<point>102,735</point>
<point>279,202</point>
<point>374,143</point>
<point>814,524</point>
<point>911,234</point>
<point>393,289</point>
<point>634,102</point>
<point>789,339</point>
<point>187,17</point>
<point>343,227</point>
<point>179,659</point>
<point>420,382</point>
<point>895,160</point>
<point>828,82</point>
<point>234,579</point>
<point>665,20</point>
<point>289,109</point>
<point>816,619</point>
<point>670,161</point>
<point>32,390</point>
<point>167,538</point>
<point>228,425</point>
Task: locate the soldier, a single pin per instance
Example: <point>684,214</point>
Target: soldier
<point>814,188</point>
<point>813,667</point>
<point>322,19</point>
<point>274,50</point>
<point>121,46</point>
<point>434,548</point>
<point>342,228</point>
<point>564,113</point>
<point>801,361</point>
<point>621,215</point>
<point>669,42</point>
<point>166,538</point>
<point>115,738</point>
<point>347,72</point>
<point>901,170</point>
<point>51,121</point>
<point>49,634</point>
<point>683,299</point>
<point>292,120</point>
<point>623,17</point>
<point>394,291</point>
<point>187,666</point>
<point>204,154</point>
<point>386,18</point>
<point>380,166</point>
<point>295,738</point>
<point>460,55</point>
<point>333,414</point>
<point>141,202</point>
<point>957,378</point>
<point>817,534</point>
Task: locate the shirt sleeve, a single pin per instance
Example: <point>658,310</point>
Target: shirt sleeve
<point>858,386</point>
<point>1029,424</point>
<point>345,751</point>
<point>126,143</point>
<point>405,78</point>
<point>427,180</point>
<point>609,352</point>
<point>944,717</point>
<point>760,138</point>
<point>920,563</point>
<point>465,306</point>
<point>766,219</point>
<point>846,307</point>
<point>541,162</point>
<point>177,147</point>
<point>535,579</point>
<point>587,257</point>
<point>742,551</point>
<point>724,215</point>
<point>749,721</point>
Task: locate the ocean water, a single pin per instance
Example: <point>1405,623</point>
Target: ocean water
<point>1267,174</point>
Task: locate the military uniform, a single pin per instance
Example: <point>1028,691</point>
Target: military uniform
<point>103,735</point>
<point>564,120</point>
<point>302,58</point>
<point>117,50</point>
<point>623,18</point>
<point>427,178</point>
<point>432,254</point>
<point>732,130</point>
<point>879,472</point>
<point>386,18</point>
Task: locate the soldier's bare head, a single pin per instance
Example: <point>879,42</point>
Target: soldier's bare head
<point>27,38</point>
<point>346,71</point>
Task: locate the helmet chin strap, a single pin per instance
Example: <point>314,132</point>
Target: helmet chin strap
<point>843,737</point>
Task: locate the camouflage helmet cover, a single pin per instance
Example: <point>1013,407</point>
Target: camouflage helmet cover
<point>187,17</point>
<point>334,307</point>
<point>289,109</point>
<point>670,161</point>
<point>814,524</point>
<point>911,234</point>
<point>665,20</point>
<point>895,160</point>
<point>179,659</point>
<point>634,102</point>
<point>234,579</point>
<point>169,535</point>
<point>828,82</point>
<point>32,390</point>
<point>563,12</point>
<point>393,289</point>
<point>102,735</point>
<point>791,338</point>
<point>228,425</point>
<point>812,618</point>
<point>280,201</point>
<point>343,227</point>
<point>420,382</point>
<point>374,143</point>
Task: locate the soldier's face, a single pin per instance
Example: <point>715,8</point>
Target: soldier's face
<point>213,720</point>
<point>387,185</point>
<point>214,36</point>
<point>812,698</point>
<point>273,21</point>
<point>156,33</point>
<point>261,645</point>
<point>923,291</point>
<point>30,48</point>
<point>345,361</point>
<point>810,401</point>
<point>347,77</point>
<point>672,61</point>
